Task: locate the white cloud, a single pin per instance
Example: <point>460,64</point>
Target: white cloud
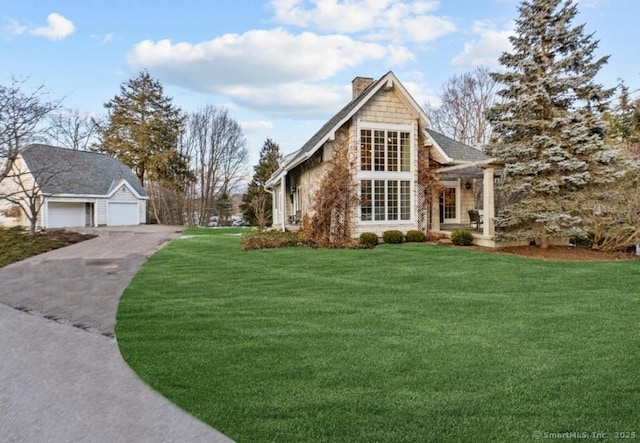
<point>486,48</point>
<point>283,73</point>
<point>250,127</point>
<point>399,55</point>
<point>271,70</point>
<point>296,99</point>
<point>14,27</point>
<point>104,39</point>
<point>398,21</point>
<point>58,27</point>
<point>257,57</point>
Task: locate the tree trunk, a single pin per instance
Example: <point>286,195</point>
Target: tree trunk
<point>544,242</point>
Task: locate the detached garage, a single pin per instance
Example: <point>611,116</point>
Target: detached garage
<point>80,188</point>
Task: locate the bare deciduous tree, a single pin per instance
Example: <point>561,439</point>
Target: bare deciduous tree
<point>73,130</point>
<point>611,218</point>
<point>259,203</point>
<point>22,119</point>
<point>24,189</point>
<point>218,155</point>
<point>465,100</point>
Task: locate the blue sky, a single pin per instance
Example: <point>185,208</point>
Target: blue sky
<point>281,67</point>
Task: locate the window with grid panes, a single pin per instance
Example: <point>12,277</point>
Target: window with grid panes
<point>385,151</point>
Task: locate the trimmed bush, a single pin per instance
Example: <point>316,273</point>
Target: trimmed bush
<point>368,239</point>
<point>461,238</point>
<point>433,237</point>
<point>392,236</point>
<point>252,240</point>
<point>415,236</point>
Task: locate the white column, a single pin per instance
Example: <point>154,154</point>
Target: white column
<point>434,213</point>
<point>488,228</point>
<point>283,207</point>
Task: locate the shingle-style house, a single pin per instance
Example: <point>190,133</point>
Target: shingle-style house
<point>74,188</point>
<point>385,130</point>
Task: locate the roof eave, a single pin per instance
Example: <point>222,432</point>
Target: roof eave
<point>433,143</point>
<point>387,81</point>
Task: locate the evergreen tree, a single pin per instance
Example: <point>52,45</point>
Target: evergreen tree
<point>224,209</point>
<point>548,128</point>
<point>257,203</point>
<point>142,131</point>
<point>624,123</point>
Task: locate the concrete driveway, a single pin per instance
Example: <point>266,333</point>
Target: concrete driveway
<point>62,377</point>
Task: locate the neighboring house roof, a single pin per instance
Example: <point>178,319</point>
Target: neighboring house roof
<point>455,151</point>
<point>452,150</point>
<point>66,171</point>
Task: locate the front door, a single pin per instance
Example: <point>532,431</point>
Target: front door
<point>88,214</point>
<point>450,205</point>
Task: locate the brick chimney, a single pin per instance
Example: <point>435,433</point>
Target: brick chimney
<point>359,84</point>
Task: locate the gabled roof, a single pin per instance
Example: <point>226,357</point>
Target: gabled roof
<point>66,171</point>
<point>327,131</point>
<point>453,150</point>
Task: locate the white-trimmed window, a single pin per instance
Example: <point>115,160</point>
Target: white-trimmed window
<point>385,151</point>
<point>385,174</point>
<point>385,200</point>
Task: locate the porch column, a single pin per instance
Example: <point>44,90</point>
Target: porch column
<point>434,214</point>
<point>283,200</point>
<point>488,228</point>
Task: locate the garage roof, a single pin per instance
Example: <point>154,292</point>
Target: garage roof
<point>67,171</point>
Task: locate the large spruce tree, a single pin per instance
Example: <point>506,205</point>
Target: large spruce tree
<point>142,130</point>
<point>257,203</point>
<point>548,127</point>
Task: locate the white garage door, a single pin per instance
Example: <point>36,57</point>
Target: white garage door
<point>122,214</point>
<point>62,215</point>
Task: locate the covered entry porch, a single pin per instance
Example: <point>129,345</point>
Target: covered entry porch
<point>468,186</point>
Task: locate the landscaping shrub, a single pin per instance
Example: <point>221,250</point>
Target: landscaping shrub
<point>415,236</point>
<point>271,239</point>
<point>433,237</point>
<point>461,237</point>
<point>369,239</point>
<point>392,236</point>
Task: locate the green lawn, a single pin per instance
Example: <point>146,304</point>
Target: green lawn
<point>16,245</point>
<point>401,343</point>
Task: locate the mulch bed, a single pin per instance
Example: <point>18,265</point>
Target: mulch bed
<point>567,253</point>
<point>64,236</point>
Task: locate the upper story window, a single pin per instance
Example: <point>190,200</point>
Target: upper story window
<point>385,151</point>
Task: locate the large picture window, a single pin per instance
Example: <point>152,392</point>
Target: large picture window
<point>385,200</point>
<point>385,151</point>
<point>385,174</point>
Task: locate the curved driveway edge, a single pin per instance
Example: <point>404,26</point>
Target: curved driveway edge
<point>65,380</point>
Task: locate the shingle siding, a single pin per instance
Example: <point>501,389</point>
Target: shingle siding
<point>123,195</point>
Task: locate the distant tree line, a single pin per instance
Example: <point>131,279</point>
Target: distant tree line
<point>570,148</point>
<point>191,163</point>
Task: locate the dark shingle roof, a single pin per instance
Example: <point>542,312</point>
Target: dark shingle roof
<point>66,171</point>
<point>458,152</point>
<point>328,126</point>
